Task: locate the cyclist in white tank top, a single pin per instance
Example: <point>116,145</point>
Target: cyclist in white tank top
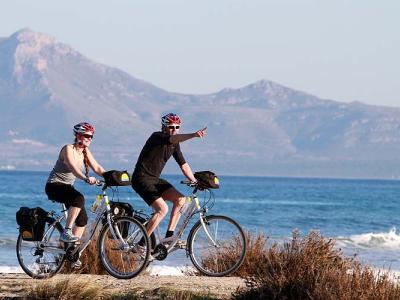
<point>73,162</point>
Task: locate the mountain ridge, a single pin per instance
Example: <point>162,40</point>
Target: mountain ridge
<point>263,128</point>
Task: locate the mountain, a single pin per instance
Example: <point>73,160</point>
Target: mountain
<point>262,129</point>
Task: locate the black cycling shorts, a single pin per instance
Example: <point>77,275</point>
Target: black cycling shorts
<point>150,189</point>
<point>67,194</point>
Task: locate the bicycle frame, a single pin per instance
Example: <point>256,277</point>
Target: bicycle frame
<point>104,207</point>
<point>194,208</point>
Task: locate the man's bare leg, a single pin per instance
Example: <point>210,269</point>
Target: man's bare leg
<point>178,200</point>
<point>160,211</point>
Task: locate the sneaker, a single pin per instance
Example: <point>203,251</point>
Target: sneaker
<point>68,237</point>
<point>77,264</point>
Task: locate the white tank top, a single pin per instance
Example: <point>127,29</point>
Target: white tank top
<point>61,173</point>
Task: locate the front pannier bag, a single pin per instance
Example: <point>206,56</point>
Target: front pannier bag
<point>121,209</point>
<point>117,178</point>
<point>32,223</point>
<point>207,180</point>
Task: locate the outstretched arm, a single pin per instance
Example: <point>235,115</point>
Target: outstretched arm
<point>187,171</point>
<point>178,138</point>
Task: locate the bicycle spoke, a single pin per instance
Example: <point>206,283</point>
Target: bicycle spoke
<point>217,246</point>
<point>41,259</point>
<point>123,258</point>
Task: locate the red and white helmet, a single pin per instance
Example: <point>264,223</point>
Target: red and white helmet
<point>83,128</point>
<point>170,119</point>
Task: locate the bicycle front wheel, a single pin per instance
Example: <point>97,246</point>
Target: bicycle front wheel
<point>219,248</point>
<point>125,255</point>
<point>42,259</point>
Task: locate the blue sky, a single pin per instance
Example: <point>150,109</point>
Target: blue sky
<point>341,50</point>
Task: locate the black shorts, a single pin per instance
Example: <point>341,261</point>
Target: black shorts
<point>67,194</point>
<point>150,189</point>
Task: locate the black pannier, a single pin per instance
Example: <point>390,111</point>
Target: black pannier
<point>207,180</point>
<point>117,178</point>
<point>120,209</point>
<point>32,223</point>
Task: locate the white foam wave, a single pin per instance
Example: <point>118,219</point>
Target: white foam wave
<point>384,240</point>
<point>11,269</point>
<point>156,270</point>
<point>170,270</point>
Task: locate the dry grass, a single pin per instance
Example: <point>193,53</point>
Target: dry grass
<point>309,268</point>
<point>172,294</point>
<point>69,288</point>
<point>90,259</point>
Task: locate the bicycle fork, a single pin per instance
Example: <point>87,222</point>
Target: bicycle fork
<point>204,225</point>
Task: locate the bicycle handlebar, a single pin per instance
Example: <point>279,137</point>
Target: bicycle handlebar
<point>189,183</point>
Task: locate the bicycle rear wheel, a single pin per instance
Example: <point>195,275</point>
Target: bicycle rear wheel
<point>221,255</point>
<point>42,259</point>
<point>124,258</point>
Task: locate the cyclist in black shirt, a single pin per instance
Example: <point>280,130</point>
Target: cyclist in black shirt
<point>146,179</point>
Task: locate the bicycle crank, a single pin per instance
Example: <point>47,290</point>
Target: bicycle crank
<point>71,255</point>
<point>160,252</point>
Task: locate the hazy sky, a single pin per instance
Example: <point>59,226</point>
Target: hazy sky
<point>342,50</point>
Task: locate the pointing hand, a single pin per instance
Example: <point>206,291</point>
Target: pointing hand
<point>202,132</point>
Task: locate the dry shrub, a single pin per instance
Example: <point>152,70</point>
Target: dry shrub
<point>309,268</point>
<point>69,288</point>
<point>90,259</point>
<point>227,256</point>
<point>255,249</point>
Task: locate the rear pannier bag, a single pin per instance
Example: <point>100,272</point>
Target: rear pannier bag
<point>32,223</point>
<point>117,178</point>
<point>207,180</point>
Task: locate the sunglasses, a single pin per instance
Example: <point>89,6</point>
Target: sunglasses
<point>88,136</point>
<point>173,127</point>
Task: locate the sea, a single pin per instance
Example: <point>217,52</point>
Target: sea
<point>362,216</point>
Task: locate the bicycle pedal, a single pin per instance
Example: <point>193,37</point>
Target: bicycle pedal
<point>181,244</point>
<point>76,265</point>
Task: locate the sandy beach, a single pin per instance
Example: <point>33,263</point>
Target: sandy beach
<point>17,285</point>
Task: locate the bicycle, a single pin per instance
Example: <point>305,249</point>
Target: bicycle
<point>117,243</point>
<point>216,244</point>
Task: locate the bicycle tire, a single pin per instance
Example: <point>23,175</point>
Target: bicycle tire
<point>224,259</point>
<point>124,262</point>
<point>33,257</point>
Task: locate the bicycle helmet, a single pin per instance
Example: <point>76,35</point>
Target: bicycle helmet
<point>83,128</point>
<point>170,119</point>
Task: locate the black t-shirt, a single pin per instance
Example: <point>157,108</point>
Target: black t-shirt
<point>155,154</point>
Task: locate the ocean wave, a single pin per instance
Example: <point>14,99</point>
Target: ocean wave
<point>11,269</point>
<point>275,202</point>
<point>153,270</point>
<point>7,241</point>
<point>384,240</point>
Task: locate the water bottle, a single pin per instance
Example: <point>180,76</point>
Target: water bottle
<point>185,207</point>
<point>96,202</point>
